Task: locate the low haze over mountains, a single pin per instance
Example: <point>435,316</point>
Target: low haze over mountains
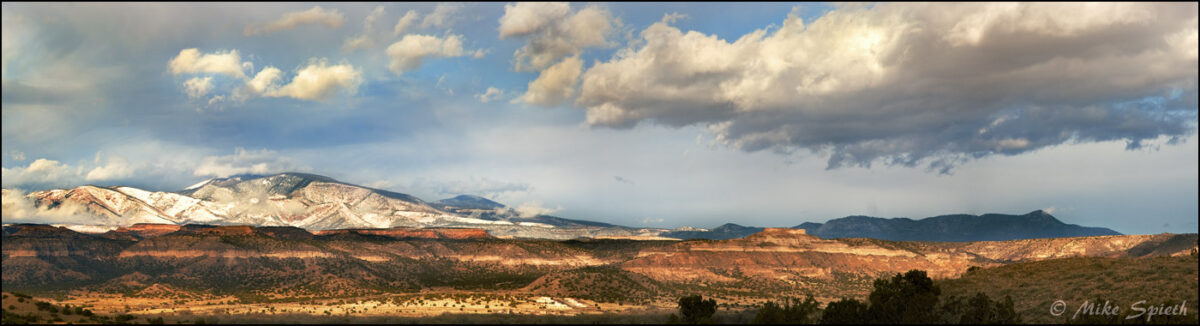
<point>317,202</point>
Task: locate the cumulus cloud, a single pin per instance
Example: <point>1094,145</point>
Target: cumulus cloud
<point>365,40</point>
<point>267,78</point>
<point>441,16</point>
<point>491,94</point>
<point>410,51</point>
<point>315,15</point>
<point>115,168</point>
<point>40,172</point>
<point>197,87</point>
<point>406,21</point>
<point>316,81</point>
<point>553,31</point>
<point>524,18</point>
<point>242,162</point>
<point>534,208</point>
<point>192,61</point>
<point>909,84</point>
<point>20,209</point>
<point>555,84</point>
<point>319,81</point>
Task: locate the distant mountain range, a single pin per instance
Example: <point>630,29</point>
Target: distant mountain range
<point>723,232</point>
<point>307,201</point>
<point>315,202</point>
<point>946,228</point>
<point>959,227</point>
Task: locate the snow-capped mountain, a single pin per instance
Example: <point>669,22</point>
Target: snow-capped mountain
<point>108,206</point>
<point>289,199</point>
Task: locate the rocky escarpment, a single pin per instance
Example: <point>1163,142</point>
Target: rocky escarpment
<point>1100,246</point>
<point>144,230</point>
<point>288,259</point>
<point>415,233</point>
<point>792,256</point>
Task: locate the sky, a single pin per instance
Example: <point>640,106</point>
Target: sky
<point>639,114</point>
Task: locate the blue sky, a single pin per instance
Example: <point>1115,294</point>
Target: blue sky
<point>642,114</point>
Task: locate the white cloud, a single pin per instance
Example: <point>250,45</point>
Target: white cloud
<point>555,84</point>
<point>556,38</point>
<point>41,172</point>
<point>406,21</point>
<point>19,209</point>
<point>192,61</point>
<point>524,18</point>
<point>116,168</point>
<point>242,162</point>
<point>365,40</point>
<point>909,83</point>
<point>553,32</point>
<point>197,87</point>
<point>410,51</point>
<point>442,15</point>
<point>534,208</point>
<point>491,94</point>
<point>315,15</point>
<point>318,81</point>
<point>264,81</point>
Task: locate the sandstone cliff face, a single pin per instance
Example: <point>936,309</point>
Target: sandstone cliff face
<point>415,233</point>
<point>401,259</point>
<point>1042,249</point>
<point>789,255</point>
<point>147,230</point>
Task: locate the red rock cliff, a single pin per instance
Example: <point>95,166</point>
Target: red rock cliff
<point>410,233</point>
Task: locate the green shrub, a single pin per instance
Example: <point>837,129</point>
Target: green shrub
<point>696,310</point>
<point>845,311</point>
<point>793,311</point>
<point>904,299</point>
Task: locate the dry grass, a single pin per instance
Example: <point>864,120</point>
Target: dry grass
<point>1035,286</point>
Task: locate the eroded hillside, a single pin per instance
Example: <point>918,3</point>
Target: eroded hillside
<point>272,263</point>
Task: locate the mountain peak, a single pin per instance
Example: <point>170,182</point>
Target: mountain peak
<point>732,227</point>
<point>1040,213</point>
<point>471,202</point>
<point>956,227</point>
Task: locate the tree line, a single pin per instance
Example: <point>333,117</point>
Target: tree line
<point>909,298</point>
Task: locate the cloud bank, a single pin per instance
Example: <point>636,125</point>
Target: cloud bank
<point>910,84</point>
<point>555,38</point>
